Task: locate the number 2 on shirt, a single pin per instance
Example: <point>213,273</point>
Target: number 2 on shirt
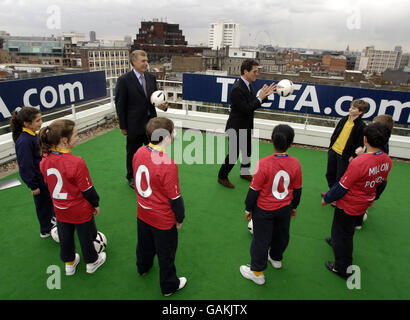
<point>57,194</point>
<point>138,175</point>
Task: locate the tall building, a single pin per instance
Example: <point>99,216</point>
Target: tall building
<point>93,36</point>
<point>161,40</point>
<point>378,61</point>
<point>160,33</point>
<point>222,34</point>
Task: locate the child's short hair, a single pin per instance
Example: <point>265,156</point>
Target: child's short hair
<point>377,134</point>
<point>362,105</point>
<point>282,137</point>
<point>25,114</point>
<point>51,135</point>
<point>158,128</point>
<point>385,119</point>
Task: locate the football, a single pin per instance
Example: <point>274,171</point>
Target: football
<point>100,242</point>
<point>158,98</point>
<point>284,88</point>
<point>250,226</point>
<point>54,233</point>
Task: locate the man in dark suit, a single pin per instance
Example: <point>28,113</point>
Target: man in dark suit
<point>239,126</point>
<point>134,108</point>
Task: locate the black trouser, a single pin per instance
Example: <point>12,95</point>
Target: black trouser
<point>44,209</point>
<point>336,167</point>
<point>343,228</point>
<point>164,243</point>
<point>270,229</point>
<point>239,140</point>
<point>133,143</point>
<point>87,232</point>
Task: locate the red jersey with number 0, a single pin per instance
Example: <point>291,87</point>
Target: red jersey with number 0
<point>275,177</point>
<point>67,177</point>
<point>362,177</point>
<point>156,181</point>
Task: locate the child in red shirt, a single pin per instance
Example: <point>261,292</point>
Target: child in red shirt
<point>74,197</point>
<point>363,182</point>
<point>160,205</point>
<point>272,199</point>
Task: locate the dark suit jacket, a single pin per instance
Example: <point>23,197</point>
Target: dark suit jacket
<point>243,106</point>
<point>355,139</point>
<point>134,109</point>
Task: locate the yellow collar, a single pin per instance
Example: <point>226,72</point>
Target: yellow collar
<point>153,146</point>
<point>30,132</point>
<point>60,150</point>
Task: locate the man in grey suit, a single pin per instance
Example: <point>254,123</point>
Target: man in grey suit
<point>239,126</point>
<point>133,104</point>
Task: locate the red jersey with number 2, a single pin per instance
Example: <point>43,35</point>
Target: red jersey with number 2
<point>156,181</point>
<point>67,177</point>
<point>275,177</point>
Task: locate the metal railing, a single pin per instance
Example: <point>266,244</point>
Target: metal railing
<point>191,106</point>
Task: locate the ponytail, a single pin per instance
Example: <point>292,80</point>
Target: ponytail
<point>43,140</point>
<point>19,116</point>
<point>51,135</point>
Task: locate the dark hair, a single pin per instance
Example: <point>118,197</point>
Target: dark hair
<point>247,65</point>
<point>282,137</point>
<point>51,135</point>
<point>25,114</point>
<point>377,134</point>
<point>158,128</point>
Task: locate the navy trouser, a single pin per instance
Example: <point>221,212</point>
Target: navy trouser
<point>336,167</point>
<point>133,144</point>
<point>44,209</point>
<point>164,243</point>
<point>270,229</point>
<point>87,232</point>
<point>239,140</point>
<point>343,228</point>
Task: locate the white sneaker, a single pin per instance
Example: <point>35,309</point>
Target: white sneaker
<point>182,283</point>
<point>70,269</point>
<point>358,227</point>
<point>45,235</point>
<point>92,267</point>
<point>275,264</point>
<point>249,274</point>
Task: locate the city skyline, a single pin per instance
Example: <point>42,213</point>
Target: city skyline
<point>317,24</point>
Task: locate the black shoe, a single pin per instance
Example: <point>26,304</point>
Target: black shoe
<point>331,266</point>
<point>131,182</point>
<point>329,241</point>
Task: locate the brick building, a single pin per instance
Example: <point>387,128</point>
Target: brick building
<point>162,40</point>
<point>334,62</point>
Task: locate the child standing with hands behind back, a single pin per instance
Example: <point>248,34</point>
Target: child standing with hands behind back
<point>75,200</point>
<point>24,125</point>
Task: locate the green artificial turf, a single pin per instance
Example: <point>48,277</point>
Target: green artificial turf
<point>214,240</point>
